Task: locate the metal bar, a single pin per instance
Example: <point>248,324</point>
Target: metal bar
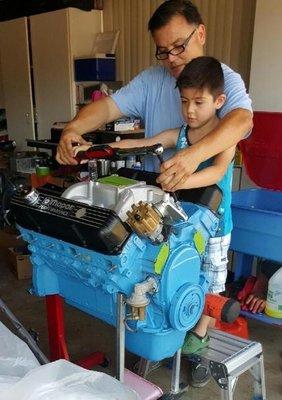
<point>259,379</point>
<point>175,374</point>
<point>23,333</point>
<point>120,337</point>
<point>143,367</point>
<point>56,327</point>
<point>227,394</point>
<point>41,144</point>
<point>245,366</point>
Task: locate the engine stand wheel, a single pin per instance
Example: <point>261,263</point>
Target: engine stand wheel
<point>105,363</point>
<point>171,396</point>
<point>174,396</point>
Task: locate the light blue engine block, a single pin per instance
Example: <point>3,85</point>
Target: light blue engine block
<point>90,280</point>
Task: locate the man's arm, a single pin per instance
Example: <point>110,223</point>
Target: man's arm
<point>212,174</point>
<point>89,118</point>
<point>128,101</point>
<point>230,130</point>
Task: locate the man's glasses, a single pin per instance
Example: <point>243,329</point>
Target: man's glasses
<point>175,51</point>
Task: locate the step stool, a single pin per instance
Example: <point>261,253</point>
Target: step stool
<point>230,356</point>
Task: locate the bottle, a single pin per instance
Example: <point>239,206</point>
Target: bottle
<point>93,169</point>
<point>120,164</point>
<point>113,168</point>
<point>130,161</point>
<point>274,295</point>
<point>137,165</point>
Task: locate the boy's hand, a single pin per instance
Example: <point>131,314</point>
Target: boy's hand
<point>176,170</point>
<point>65,149</point>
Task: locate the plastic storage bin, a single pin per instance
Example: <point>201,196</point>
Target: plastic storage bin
<point>95,69</point>
<point>257,219</point>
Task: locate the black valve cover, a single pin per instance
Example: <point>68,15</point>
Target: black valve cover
<point>96,228</point>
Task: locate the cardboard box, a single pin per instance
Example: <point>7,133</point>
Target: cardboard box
<point>20,262</point>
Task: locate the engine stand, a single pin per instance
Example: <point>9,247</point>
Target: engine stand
<point>146,389</point>
<point>56,334</point>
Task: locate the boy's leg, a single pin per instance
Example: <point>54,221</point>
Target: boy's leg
<point>202,326</point>
<point>215,262</point>
<point>197,339</point>
<point>198,369</point>
<point>215,268</point>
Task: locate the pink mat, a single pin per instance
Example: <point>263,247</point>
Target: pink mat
<point>146,390</point>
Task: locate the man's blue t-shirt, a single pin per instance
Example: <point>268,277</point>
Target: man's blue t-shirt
<point>152,96</point>
<point>225,184</point>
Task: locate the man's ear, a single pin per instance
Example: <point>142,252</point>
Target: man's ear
<point>202,34</point>
<point>220,100</point>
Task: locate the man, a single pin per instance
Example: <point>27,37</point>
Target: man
<point>179,34</point>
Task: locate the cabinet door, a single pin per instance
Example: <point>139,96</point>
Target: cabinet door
<point>51,69</point>
<point>16,80</point>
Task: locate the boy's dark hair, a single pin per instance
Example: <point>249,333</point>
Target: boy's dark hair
<point>169,9</point>
<point>200,73</point>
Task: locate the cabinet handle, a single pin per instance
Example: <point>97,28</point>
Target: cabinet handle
<point>27,117</point>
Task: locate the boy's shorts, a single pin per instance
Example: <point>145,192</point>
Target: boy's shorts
<point>215,262</point>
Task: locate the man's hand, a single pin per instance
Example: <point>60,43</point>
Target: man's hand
<point>176,170</point>
<point>65,149</point>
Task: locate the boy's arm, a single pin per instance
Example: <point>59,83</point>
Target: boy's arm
<point>230,130</point>
<point>167,138</point>
<point>212,174</point>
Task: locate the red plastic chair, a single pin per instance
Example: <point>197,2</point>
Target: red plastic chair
<point>262,151</point>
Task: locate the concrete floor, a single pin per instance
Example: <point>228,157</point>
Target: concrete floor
<point>85,334</point>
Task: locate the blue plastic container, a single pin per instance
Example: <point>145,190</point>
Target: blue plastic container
<point>95,69</point>
<point>257,219</point>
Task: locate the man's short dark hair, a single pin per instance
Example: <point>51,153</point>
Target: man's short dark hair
<point>171,8</point>
<point>202,73</point>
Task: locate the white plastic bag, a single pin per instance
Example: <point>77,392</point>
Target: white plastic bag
<point>6,382</point>
<point>62,380</point>
<point>16,358</point>
<point>22,377</point>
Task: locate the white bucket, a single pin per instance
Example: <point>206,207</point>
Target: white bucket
<point>274,295</point>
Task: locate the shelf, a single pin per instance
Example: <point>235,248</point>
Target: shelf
<point>122,132</point>
<point>260,317</point>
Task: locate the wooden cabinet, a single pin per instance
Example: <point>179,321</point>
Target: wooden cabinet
<point>37,68</point>
<point>16,79</point>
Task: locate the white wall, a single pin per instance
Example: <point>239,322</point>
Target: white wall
<point>266,66</point>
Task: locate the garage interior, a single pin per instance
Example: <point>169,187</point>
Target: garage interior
<point>40,51</point>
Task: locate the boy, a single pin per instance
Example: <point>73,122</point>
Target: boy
<point>201,89</point>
